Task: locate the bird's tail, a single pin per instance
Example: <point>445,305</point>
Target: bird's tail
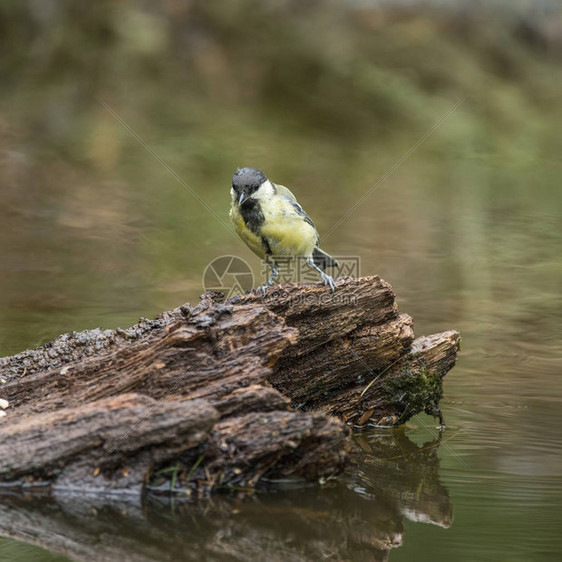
<point>322,259</point>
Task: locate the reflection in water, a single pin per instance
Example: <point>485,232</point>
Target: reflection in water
<point>405,474</point>
<point>362,520</point>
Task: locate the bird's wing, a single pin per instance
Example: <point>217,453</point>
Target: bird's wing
<point>285,191</point>
<point>287,194</point>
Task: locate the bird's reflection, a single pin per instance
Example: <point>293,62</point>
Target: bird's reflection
<point>360,517</point>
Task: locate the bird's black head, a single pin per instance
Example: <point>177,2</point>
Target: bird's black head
<point>246,181</point>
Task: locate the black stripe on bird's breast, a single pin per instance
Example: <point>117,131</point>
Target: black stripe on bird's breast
<point>266,246</point>
<point>252,214</point>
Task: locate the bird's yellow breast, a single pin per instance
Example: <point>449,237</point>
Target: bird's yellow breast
<point>288,234</point>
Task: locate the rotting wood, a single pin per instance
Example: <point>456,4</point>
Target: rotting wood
<point>270,372</point>
<point>347,343</point>
<point>78,444</point>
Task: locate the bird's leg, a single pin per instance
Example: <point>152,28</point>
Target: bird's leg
<point>326,279</point>
<point>274,271</point>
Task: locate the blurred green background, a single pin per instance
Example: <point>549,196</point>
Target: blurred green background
<point>325,97</point>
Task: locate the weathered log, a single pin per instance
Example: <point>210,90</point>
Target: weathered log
<point>209,351</point>
<point>350,341</point>
<point>71,440</point>
<point>246,362</point>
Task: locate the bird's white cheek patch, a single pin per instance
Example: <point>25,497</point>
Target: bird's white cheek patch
<point>265,191</point>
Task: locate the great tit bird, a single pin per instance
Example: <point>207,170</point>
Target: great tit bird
<point>270,221</point>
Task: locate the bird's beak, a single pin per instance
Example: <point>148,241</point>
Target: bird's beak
<point>241,198</point>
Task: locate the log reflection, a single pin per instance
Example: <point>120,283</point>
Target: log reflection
<point>360,518</point>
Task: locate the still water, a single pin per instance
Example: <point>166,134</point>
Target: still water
<point>96,231</point>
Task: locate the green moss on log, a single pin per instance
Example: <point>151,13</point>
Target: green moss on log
<point>413,391</point>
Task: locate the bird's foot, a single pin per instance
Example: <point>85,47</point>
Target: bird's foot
<point>271,281</point>
<point>261,290</point>
<point>328,280</point>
